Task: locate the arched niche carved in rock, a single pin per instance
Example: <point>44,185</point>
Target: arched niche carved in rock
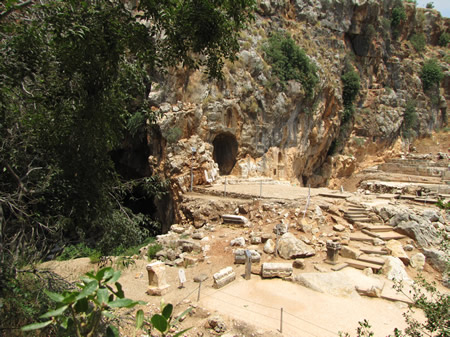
<point>225,152</point>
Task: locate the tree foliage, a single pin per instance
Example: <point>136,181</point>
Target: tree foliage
<point>431,74</point>
<point>409,119</point>
<point>289,62</point>
<point>74,79</point>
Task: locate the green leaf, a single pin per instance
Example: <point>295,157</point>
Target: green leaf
<point>167,311</point>
<point>54,296</point>
<point>105,274</point>
<point>112,331</point>
<point>139,319</point>
<point>54,313</point>
<point>115,277</point>
<point>88,289</point>
<point>181,332</point>
<point>70,297</point>
<point>159,322</point>
<point>35,326</point>
<point>82,305</point>
<point>108,314</point>
<point>122,302</point>
<point>184,313</point>
<point>102,295</point>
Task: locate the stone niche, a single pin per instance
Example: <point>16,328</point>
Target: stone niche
<point>225,152</point>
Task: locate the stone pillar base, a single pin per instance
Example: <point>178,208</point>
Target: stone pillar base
<point>158,291</point>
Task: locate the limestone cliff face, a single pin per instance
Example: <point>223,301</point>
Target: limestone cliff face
<point>251,126</point>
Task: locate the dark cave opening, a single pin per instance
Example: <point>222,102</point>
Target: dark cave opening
<point>225,151</point>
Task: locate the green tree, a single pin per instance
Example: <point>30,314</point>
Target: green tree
<point>431,74</point>
<point>409,119</point>
<point>74,75</point>
<point>418,41</point>
<point>289,62</point>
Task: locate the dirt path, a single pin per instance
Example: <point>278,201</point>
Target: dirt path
<point>305,312</point>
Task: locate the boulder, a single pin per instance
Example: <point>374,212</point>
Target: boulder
<point>281,228</point>
<point>289,247</point>
<point>350,253</point>
<point>269,247</point>
<point>417,261</point>
<point>282,270</point>
<point>423,233</point>
<point>437,258</point>
<point>304,226</point>
<point>394,269</point>
<point>395,248</point>
<point>299,264</point>
<point>239,242</point>
<point>339,228</point>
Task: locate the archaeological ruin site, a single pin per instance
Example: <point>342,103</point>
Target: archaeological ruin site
<point>303,192</point>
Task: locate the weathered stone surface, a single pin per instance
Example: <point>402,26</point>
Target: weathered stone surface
<point>177,229</point>
<point>240,257</point>
<point>423,233</point>
<point>349,252</point>
<point>157,284</point>
<point>305,226</point>
<point>395,248</point>
<point>223,277</point>
<point>281,228</point>
<point>238,242</point>
<point>417,261</point>
<point>289,247</point>
<point>200,278</point>
<point>394,269</point>
<point>217,324</point>
<point>299,264</point>
<point>269,247</point>
<point>436,258</point>
<point>269,270</point>
<point>339,228</point>
<point>189,246</point>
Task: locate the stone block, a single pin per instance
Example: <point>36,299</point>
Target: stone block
<point>157,285</point>
<point>223,277</point>
<point>282,270</point>
<point>350,253</point>
<point>239,256</point>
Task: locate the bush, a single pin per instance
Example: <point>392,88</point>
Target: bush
<point>418,41</point>
<point>398,15</point>
<point>153,249</point>
<point>289,62</point>
<point>431,74</point>
<point>409,119</point>
<point>351,85</point>
<point>430,5</point>
<point>444,39</point>
<point>76,251</point>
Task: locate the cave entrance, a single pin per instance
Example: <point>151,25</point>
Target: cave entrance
<point>225,151</point>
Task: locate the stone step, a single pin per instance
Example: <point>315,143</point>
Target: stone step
<point>335,195</point>
<point>361,237</point>
<point>375,251</point>
<point>426,200</point>
<point>356,209</point>
<point>371,259</point>
<point>356,216</point>
<point>386,236</point>
<point>379,228</point>
<point>356,213</point>
<point>352,220</point>
<point>362,265</point>
<point>372,234</point>
<point>387,196</point>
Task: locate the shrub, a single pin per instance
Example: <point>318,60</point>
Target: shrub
<point>351,85</point>
<point>430,5</point>
<point>431,74</point>
<point>409,119</point>
<point>173,135</point>
<point>289,62</point>
<point>418,41</point>
<point>398,15</point>
<point>76,251</point>
<point>153,249</point>
<point>444,39</point>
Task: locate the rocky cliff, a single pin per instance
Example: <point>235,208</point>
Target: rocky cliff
<point>250,125</point>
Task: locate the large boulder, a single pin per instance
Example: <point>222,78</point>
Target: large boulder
<point>422,232</point>
<point>289,247</point>
<point>395,248</point>
<point>437,258</point>
<point>394,269</point>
